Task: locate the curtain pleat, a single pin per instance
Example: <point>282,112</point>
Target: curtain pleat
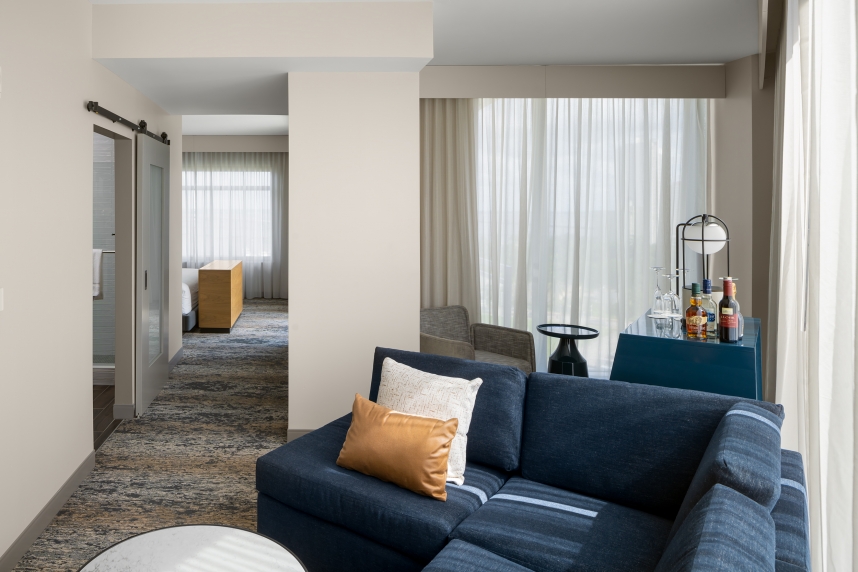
<point>577,199</point>
<point>234,207</point>
<point>814,266</point>
<point>448,214</point>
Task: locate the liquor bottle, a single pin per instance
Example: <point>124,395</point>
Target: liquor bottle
<point>739,311</point>
<point>711,309</point>
<point>728,310</point>
<point>695,316</point>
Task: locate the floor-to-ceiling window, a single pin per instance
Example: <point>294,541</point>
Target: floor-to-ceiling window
<point>234,208</point>
<point>554,210</point>
<point>577,199</point>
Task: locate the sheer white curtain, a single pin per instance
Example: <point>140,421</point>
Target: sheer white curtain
<point>815,266</point>
<point>577,199</point>
<point>234,208</point>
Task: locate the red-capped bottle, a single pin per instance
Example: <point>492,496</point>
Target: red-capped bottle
<point>728,315</point>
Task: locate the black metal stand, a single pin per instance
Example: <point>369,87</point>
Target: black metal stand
<point>567,360</point>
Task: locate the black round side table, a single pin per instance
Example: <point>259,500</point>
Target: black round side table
<point>566,359</point>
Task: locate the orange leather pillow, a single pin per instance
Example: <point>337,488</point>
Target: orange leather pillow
<point>407,450</point>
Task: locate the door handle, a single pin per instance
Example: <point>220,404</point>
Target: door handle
<point>145,279</point>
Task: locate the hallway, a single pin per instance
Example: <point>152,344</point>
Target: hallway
<point>191,458</point>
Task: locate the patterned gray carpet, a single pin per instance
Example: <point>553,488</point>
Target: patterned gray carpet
<point>191,458</point>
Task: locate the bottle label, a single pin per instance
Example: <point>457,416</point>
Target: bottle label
<point>696,321</point>
<point>727,311</point>
<point>728,320</point>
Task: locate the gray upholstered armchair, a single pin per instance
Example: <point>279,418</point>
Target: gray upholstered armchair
<point>447,331</point>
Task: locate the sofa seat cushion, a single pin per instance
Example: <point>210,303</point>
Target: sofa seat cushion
<point>459,556</point>
<point>489,357</point>
<point>304,475</point>
<point>553,530</point>
<point>792,522</point>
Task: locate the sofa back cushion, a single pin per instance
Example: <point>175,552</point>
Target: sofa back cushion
<point>494,437</point>
<point>743,454</point>
<point>635,445</point>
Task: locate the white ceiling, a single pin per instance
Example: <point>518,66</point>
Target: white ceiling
<point>183,86</point>
<point>235,125</point>
<point>473,32</point>
<point>542,32</point>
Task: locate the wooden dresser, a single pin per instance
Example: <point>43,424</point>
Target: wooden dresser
<point>221,295</point>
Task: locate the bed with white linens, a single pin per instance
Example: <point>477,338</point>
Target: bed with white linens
<point>190,297</point>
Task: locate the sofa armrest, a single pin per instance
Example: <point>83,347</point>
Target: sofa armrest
<point>724,531</point>
<point>444,347</point>
<point>504,341</point>
<point>792,521</point>
<point>743,454</point>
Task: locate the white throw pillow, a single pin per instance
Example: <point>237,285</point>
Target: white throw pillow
<point>416,392</point>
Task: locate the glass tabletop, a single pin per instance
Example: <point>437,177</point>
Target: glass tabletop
<point>204,548</point>
<point>567,331</point>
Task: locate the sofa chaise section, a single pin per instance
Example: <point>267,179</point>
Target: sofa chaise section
<point>302,483</point>
<point>304,476</point>
<point>606,467</point>
<point>459,556</point>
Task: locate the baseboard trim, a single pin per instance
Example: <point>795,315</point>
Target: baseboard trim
<point>26,539</point>
<point>176,359</point>
<point>292,434</point>
<point>122,411</point>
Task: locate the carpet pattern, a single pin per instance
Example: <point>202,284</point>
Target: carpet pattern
<point>190,459</point>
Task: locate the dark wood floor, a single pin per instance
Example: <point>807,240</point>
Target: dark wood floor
<point>103,397</point>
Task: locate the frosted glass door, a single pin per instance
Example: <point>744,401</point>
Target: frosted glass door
<point>154,272</point>
<point>153,215</point>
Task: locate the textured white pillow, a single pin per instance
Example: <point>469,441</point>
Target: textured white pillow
<point>416,392</point>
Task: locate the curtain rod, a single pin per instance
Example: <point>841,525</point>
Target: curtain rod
<point>139,128</point>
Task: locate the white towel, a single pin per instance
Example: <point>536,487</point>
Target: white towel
<point>97,292</point>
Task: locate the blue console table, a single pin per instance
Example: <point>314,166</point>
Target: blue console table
<point>656,354</point>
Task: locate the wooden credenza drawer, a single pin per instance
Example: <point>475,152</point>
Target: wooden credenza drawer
<point>221,295</point>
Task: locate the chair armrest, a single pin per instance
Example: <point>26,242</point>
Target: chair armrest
<point>444,347</point>
<point>504,341</point>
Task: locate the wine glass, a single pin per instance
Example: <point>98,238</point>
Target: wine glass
<point>658,297</point>
<point>672,303</point>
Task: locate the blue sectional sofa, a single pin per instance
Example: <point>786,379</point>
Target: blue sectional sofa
<point>564,474</point>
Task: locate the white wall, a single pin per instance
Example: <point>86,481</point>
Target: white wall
<point>236,143</point>
<point>45,245</point>
<point>354,224</point>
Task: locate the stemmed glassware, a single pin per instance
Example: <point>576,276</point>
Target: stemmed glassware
<point>671,303</point>
<point>658,298</point>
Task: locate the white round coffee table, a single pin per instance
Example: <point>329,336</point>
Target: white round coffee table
<point>196,549</point>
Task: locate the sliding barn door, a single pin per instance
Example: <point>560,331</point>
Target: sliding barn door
<point>153,193</point>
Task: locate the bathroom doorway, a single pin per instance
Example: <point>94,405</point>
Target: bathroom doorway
<point>104,286</point>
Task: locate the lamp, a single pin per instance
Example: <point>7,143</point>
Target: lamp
<point>711,236</point>
<point>705,235</point>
